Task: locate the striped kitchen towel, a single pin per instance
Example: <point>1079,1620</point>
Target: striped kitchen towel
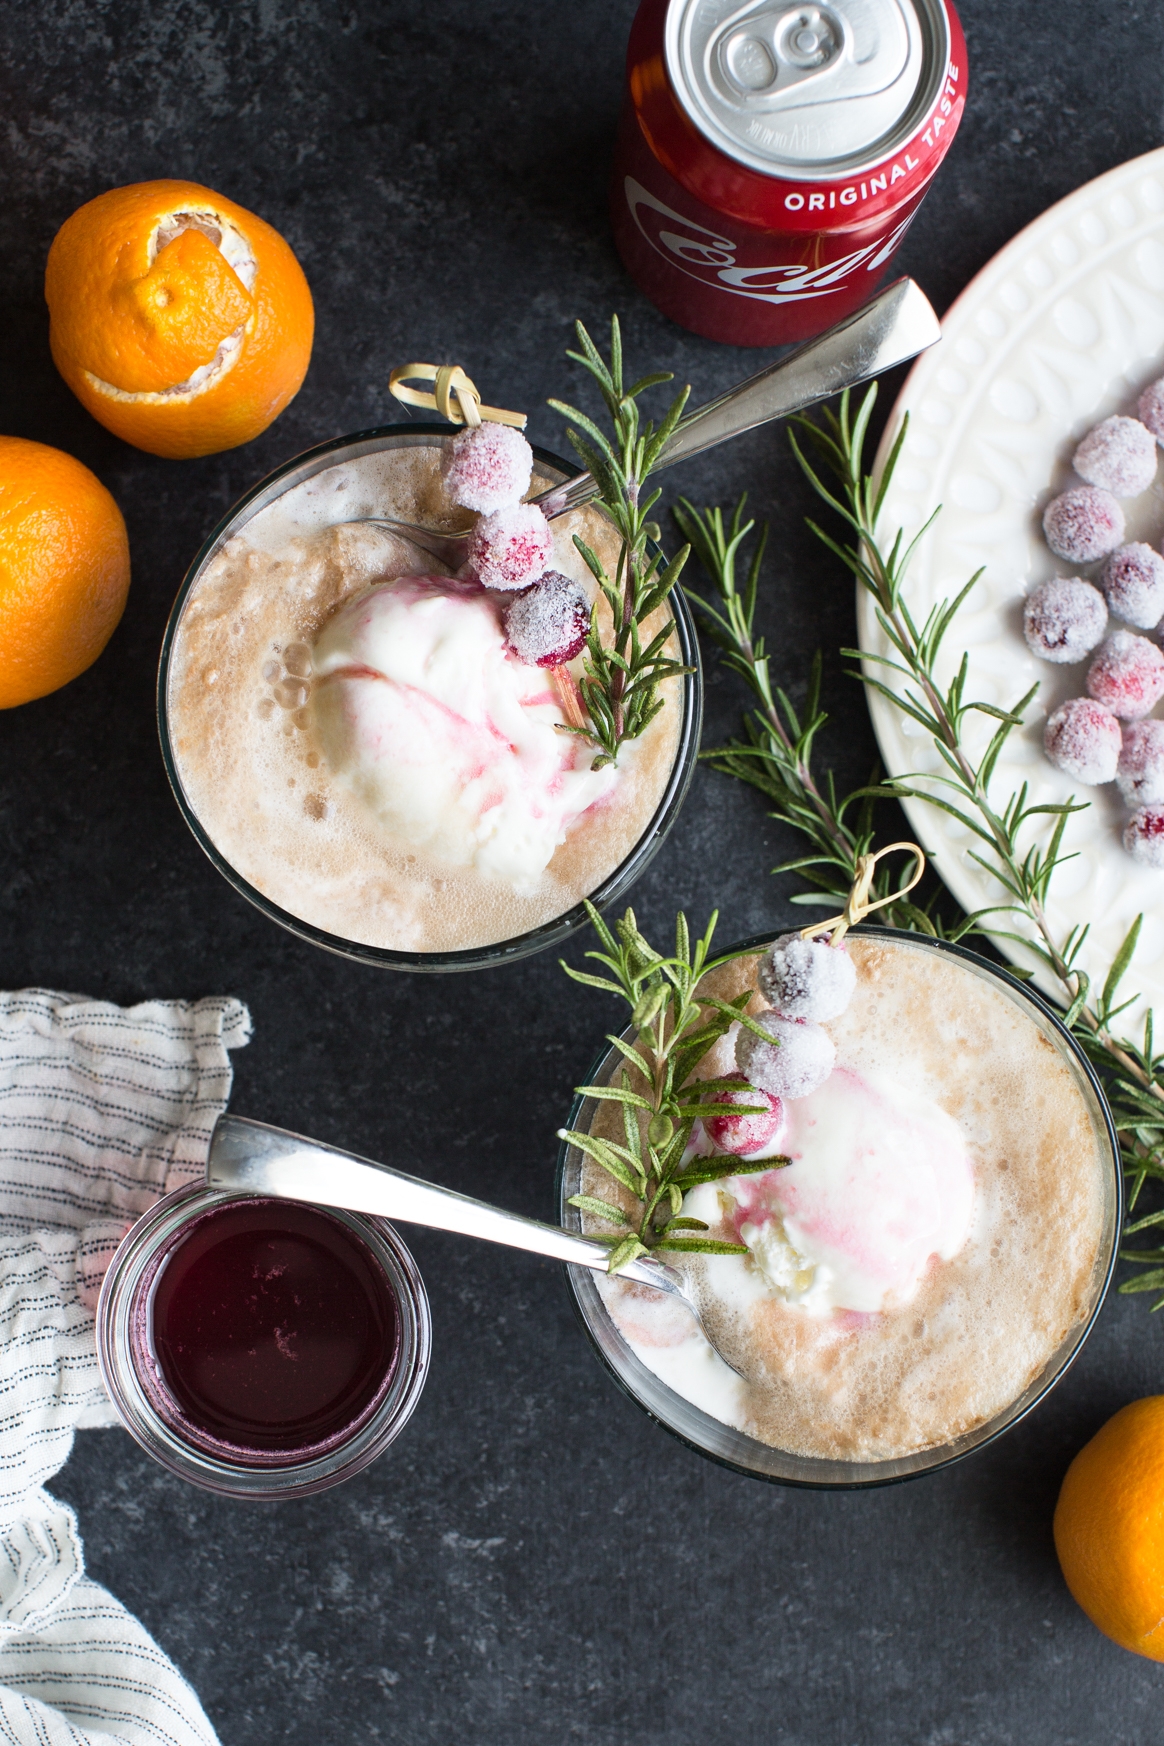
<point>102,1110</point>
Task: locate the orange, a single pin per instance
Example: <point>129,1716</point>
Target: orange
<point>1109,1528</point>
<point>64,569</point>
<point>181,321</point>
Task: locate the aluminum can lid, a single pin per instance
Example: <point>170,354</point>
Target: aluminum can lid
<point>818,90</point>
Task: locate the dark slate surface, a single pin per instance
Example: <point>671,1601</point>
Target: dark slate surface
<point>533,1561</point>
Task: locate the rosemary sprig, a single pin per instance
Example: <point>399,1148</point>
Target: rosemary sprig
<point>1009,837</point>
<point>620,683</point>
<point>776,756</point>
<point>660,1102</point>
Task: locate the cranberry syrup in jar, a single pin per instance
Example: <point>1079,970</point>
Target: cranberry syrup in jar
<point>269,1333</point>
<point>771,157</point>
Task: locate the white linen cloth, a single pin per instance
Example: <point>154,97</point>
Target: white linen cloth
<point>102,1110</point>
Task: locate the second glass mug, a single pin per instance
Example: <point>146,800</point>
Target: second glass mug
<point>744,1453</point>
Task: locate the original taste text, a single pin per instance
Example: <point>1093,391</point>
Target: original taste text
<point>880,184</point>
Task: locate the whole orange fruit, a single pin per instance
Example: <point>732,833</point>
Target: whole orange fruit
<point>1109,1528</point>
<point>64,569</point>
<point>181,321</point>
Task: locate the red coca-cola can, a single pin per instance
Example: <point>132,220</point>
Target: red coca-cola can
<point>771,157</point>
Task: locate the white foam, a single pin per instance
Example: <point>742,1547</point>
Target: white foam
<point>667,1339</point>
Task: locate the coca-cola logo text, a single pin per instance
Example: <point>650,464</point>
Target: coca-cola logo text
<point>705,255</point>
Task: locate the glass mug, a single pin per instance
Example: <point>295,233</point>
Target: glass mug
<point>550,933</point>
<point>744,1453</point>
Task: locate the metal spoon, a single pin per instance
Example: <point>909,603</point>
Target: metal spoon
<point>256,1159</point>
<point>893,327</point>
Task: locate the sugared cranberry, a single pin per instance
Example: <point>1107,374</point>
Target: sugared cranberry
<point>1064,619</point>
<point>1140,771</point>
<point>1127,675</point>
<point>512,547</point>
<point>1151,409</point>
<point>799,1058</point>
<point>741,1134</point>
<point>1133,584</point>
<point>1083,525</point>
<point>548,624</point>
<point>1119,455</point>
<point>1144,836</point>
<point>1082,738</point>
<point>806,979</point>
<point>487,466</point>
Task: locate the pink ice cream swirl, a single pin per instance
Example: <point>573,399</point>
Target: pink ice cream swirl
<point>444,734</point>
<point>880,1183</point>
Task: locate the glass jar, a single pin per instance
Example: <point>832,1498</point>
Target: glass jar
<point>136,1380</point>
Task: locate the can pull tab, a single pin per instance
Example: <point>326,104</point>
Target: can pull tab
<point>766,57</point>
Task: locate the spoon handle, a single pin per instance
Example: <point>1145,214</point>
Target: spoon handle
<point>894,326</point>
<point>257,1159</point>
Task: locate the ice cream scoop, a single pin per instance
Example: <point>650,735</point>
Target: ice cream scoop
<point>444,734</point>
<point>880,1181</point>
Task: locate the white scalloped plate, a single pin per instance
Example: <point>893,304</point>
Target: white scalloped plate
<point>1062,328</point>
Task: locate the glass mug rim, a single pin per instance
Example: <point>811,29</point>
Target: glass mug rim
<point>735,1449</point>
<point>142,1246</point>
<point>551,933</point>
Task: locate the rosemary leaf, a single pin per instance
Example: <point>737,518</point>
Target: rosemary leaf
<point>603,1209</point>
<point>712,1169</point>
<point>699,1246</point>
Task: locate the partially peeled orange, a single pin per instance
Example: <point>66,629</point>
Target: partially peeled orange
<point>181,321</point>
